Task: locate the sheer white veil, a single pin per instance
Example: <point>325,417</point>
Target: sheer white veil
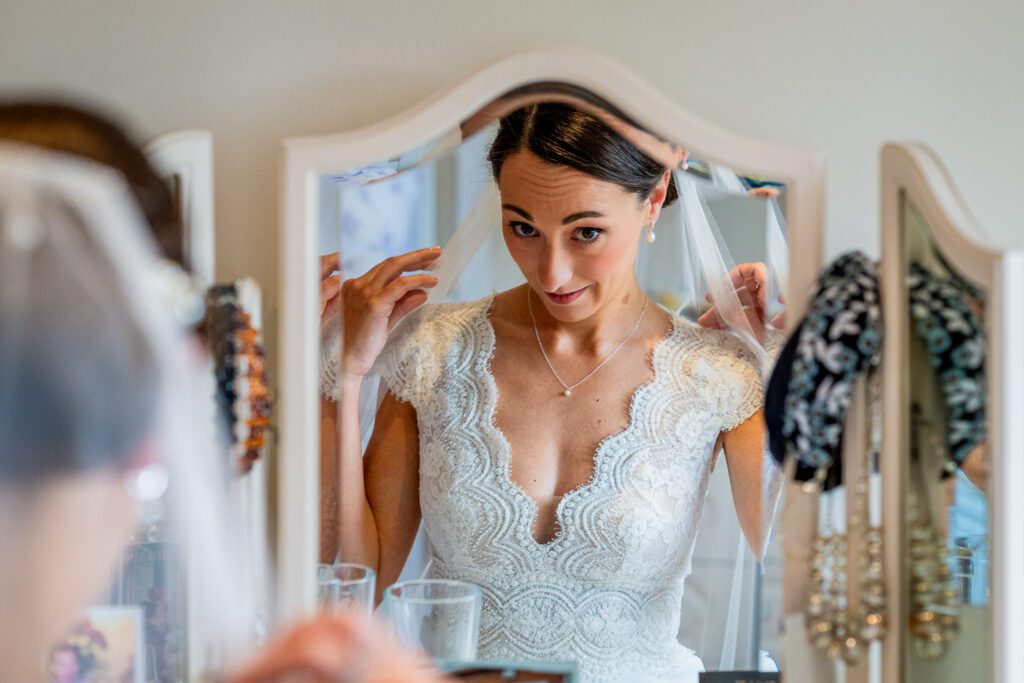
<point>687,270</point>
<point>99,373</point>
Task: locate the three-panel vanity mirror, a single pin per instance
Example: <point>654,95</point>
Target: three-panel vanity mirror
<point>419,413</point>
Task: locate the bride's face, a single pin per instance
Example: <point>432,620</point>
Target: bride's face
<point>573,236</point>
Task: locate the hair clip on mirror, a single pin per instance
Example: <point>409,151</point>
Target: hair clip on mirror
<point>182,292</point>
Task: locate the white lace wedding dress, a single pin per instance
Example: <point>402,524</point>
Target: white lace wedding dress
<point>606,591</point>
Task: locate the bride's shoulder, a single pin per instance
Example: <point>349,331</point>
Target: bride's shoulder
<point>436,322</point>
<point>709,340</point>
<point>716,355</point>
<point>449,313</point>
<point>722,367</point>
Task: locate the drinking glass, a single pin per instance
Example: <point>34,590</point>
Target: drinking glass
<point>346,587</point>
<point>441,617</point>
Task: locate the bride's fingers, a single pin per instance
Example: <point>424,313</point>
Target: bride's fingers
<point>389,264</point>
<point>754,270</point>
<point>758,328</point>
<point>330,307</point>
<point>752,299</point>
<point>753,280</point>
<point>330,289</point>
<point>745,296</point>
<point>711,320</point>
<point>752,293</point>
<point>389,269</point>
<point>329,263</point>
<point>409,302</point>
<point>753,276</point>
<point>390,295</point>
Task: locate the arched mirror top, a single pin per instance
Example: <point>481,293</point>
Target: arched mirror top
<point>914,172</point>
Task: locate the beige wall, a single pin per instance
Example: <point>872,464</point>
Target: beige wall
<point>841,75</point>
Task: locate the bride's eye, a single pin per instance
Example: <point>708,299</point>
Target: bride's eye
<point>522,229</point>
<point>589,234</point>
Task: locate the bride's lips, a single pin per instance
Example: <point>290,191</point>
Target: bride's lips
<point>564,299</point>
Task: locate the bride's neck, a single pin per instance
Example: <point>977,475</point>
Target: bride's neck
<point>604,328</point>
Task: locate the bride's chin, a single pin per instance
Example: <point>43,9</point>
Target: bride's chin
<point>575,312</point>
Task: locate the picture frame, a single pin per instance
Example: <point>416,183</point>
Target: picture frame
<point>106,644</point>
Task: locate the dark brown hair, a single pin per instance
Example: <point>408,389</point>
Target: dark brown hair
<point>59,351</point>
<point>73,130</point>
<point>561,134</point>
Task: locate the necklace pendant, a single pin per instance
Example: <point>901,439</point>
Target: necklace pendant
<point>567,392</point>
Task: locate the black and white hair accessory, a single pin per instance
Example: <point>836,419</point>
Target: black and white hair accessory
<point>839,339</point>
<point>956,343</point>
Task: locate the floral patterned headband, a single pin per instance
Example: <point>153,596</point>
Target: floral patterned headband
<point>956,343</point>
<point>810,389</point>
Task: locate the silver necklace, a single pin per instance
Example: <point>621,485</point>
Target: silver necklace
<point>567,388</point>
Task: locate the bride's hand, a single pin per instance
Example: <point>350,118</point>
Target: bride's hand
<point>373,303</point>
<point>765,192</point>
<point>750,281</point>
<point>330,285</point>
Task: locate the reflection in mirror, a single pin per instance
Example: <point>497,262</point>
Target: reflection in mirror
<point>947,507</point>
<point>539,407</point>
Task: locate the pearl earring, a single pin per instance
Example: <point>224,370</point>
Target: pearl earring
<point>650,236</point>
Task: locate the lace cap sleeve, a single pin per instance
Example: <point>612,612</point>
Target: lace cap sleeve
<point>736,389</point>
<point>406,366</point>
<point>330,356</point>
<point>402,365</point>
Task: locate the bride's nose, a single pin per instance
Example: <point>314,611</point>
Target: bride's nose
<point>554,269</point>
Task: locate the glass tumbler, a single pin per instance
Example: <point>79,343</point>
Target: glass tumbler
<point>346,587</point>
<point>440,617</point>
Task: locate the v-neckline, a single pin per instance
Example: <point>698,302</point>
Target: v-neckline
<point>505,464</point>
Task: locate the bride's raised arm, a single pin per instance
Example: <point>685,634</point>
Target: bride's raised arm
<point>753,477</point>
<point>371,503</point>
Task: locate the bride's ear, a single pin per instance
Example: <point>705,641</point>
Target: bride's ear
<point>657,199</point>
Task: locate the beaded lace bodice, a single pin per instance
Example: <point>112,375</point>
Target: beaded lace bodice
<point>606,590</point>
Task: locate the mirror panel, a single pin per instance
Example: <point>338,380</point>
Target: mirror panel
<point>440,194</point>
<point>947,507</point>
<point>185,160</point>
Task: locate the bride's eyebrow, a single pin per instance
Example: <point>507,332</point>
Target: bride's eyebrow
<point>521,212</point>
<point>565,221</point>
<point>581,214</point>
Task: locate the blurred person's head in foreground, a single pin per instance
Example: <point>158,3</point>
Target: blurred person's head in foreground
<point>78,131</point>
<point>104,414</point>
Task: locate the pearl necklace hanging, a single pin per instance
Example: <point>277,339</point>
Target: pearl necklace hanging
<point>841,630</point>
<point>567,388</point>
<point>935,599</point>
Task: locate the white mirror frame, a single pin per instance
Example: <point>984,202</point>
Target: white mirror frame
<point>305,159</point>
<point>914,169</point>
<point>188,154</point>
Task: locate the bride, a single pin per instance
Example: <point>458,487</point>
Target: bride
<point>556,439</point>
